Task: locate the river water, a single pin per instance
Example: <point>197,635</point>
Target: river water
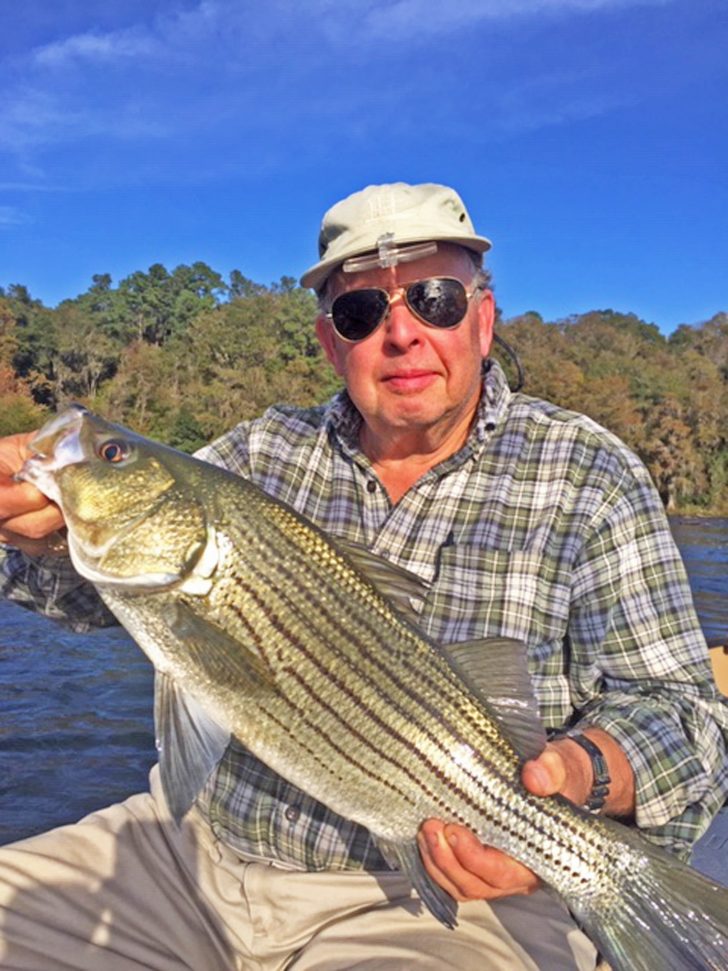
<point>76,710</point>
<point>704,547</point>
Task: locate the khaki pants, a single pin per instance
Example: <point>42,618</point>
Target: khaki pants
<point>127,889</point>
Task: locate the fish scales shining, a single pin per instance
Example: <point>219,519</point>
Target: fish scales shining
<point>342,659</point>
<point>306,650</point>
<point>344,624</point>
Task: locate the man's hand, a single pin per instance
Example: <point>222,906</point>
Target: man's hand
<point>27,517</point>
<point>457,861</point>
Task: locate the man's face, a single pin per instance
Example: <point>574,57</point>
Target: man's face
<point>408,375</point>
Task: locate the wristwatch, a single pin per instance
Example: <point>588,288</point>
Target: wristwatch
<point>601,779</point>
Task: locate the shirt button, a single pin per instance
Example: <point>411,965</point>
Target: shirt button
<point>371,485</point>
<point>292,813</point>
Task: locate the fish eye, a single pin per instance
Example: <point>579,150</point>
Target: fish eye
<point>114,450</point>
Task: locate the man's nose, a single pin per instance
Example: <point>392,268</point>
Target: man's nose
<point>402,328</point>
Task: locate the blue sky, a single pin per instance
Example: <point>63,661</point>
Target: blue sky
<point>588,138</point>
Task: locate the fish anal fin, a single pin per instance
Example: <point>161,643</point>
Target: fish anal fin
<point>406,857</point>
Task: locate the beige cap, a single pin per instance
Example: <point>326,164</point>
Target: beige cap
<point>411,213</point>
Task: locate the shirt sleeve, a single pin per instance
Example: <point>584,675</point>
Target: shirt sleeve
<point>49,585</point>
<point>641,666</point>
<point>231,450</point>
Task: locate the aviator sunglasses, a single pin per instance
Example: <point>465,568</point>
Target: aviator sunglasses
<point>439,301</point>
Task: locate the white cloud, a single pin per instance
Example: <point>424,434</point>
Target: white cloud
<point>171,33</point>
<point>95,47</point>
<point>12,216</point>
<point>241,25</point>
<point>138,43</point>
<point>214,69</point>
<point>423,17</point>
<point>37,117</point>
<point>545,101</point>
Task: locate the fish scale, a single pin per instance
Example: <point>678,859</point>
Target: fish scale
<point>303,648</point>
<point>345,605</point>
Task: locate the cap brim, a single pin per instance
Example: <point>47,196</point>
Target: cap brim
<point>316,276</point>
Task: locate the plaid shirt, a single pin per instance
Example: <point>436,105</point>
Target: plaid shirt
<point>543,527</point>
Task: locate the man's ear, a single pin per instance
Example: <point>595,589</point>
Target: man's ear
<point>325,335</point>
<point>486,321</point>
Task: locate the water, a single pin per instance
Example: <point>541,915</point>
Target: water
<point>76,711</point>
<point>704,547</point>
<point>76,729</point>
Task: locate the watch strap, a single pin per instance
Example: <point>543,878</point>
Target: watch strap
<point>601,780</point>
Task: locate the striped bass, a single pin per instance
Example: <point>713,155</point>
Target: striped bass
<point>307,651</point>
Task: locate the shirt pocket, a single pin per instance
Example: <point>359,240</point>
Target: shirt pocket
<point>479,593</point>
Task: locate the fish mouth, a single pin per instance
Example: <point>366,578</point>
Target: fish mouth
<point>54,446</point>
<point>66,440</point>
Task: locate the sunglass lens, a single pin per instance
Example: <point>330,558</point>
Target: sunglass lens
<point>358,313</point>
<point>441,302</point>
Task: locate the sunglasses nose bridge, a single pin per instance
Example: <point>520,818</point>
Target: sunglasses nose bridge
<point>400,318</point>
<point>396,298</point>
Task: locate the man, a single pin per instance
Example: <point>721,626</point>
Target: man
<point>523,520</point>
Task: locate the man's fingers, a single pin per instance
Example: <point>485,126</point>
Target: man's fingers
<point>17,498</point>
<point>14,450</point>
<point>493,867</point>
<point>545,775</point>
<point>428,851</point>
<point>455,858</point>
<point>33,525</point>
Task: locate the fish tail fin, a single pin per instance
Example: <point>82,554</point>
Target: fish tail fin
<point>665,915</point>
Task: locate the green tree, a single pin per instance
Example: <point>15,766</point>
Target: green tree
<point>669,452</point>
<point>157,305</point>
<point>85,355</point>
<point>182,356</point>
<point>36,348</point>
<point>18,411</point>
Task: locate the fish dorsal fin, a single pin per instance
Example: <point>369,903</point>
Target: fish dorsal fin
<point>495,669</point>
<point>190,744</point>
<point>391,581</point>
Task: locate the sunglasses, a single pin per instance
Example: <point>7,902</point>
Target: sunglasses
<point>439,301</point>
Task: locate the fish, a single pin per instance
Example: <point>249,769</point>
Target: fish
<point>307,650</point>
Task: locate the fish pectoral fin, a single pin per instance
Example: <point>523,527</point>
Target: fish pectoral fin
<point>406,857</point>
<point>227,661</point>
<point>496,671</point>
<point>190,741</point>
<point>190,744</point>
<point>393,582</point>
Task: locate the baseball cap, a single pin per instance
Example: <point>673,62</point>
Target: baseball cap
<point>404,213</point>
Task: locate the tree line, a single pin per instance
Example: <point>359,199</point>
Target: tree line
<point>183,355</point>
